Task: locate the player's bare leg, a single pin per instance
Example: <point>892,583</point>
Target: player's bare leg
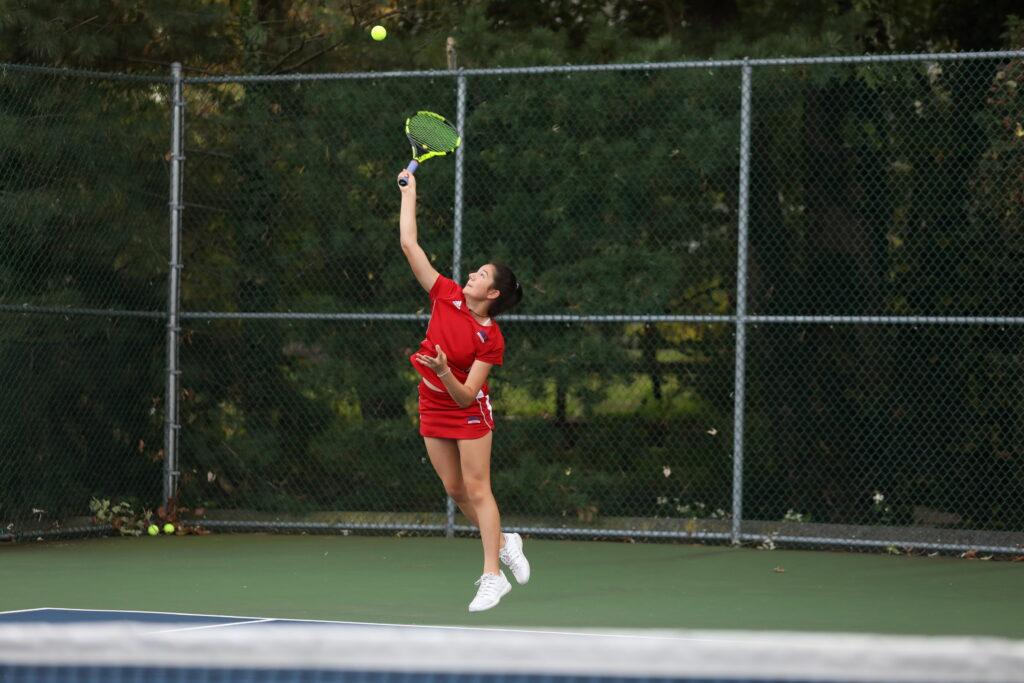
<point>475,457</point>
<point>444,456</point>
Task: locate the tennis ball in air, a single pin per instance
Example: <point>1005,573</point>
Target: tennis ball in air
<point>153,530</point>
<point>378,32</point>
<point>168,528</point>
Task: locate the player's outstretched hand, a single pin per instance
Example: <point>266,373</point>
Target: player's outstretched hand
<point>410,180</point>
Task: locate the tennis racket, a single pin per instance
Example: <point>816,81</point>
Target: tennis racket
<point>430,135</point>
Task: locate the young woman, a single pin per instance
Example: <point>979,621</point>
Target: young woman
<point>463,342</point>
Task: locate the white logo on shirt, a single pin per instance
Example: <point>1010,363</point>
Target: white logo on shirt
<point>458,304</point>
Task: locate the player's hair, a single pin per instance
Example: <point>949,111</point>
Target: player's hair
<point>511,292</point>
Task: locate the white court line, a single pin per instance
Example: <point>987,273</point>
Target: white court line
<point>142,611</point>
<point>19,611</point>
<point>249,620</point>
<point>200,628</point>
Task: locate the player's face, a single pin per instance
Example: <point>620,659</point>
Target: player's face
<point>479,282</point>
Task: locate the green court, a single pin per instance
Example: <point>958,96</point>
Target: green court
<point>575,584</point>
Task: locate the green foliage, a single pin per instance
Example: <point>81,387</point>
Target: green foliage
<point>83,398</point>
<point>121,516</point>
<point>229,36</point>
<point>127,520</point>
<point>112,34</point>
<point>875,189</point>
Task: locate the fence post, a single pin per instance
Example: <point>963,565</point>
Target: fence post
<point>741,306</point>
<point>171,426</point>
<point>460,120</point>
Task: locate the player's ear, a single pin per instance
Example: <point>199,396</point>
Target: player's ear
<point>493,294</point>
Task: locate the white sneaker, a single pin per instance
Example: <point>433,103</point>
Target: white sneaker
<point>493,587</point>
<point>512,556</point>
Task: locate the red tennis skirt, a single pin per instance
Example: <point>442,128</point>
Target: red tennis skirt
<point>441,417</point>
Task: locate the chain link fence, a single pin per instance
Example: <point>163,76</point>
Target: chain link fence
<point>83,282</point>
<point>765,301</point>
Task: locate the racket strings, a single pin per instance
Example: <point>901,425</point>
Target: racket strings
<point>429,133</point>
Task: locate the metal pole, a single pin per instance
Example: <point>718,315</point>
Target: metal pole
<point>457,238</point>
<point>741,307</point>
<point>460,120</point>
<point>171,426</point>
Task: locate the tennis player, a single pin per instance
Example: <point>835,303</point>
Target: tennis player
<point>463,343</point>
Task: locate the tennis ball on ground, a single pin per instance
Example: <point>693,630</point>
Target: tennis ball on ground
<point>378,32</point>
<point>153,530</point>
<point>168,528</point>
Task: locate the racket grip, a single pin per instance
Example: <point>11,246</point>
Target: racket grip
<point>411,168</point>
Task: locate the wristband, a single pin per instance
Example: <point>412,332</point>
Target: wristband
<point>446,372</point>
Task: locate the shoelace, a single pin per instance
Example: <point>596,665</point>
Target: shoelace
<point>488,584</point>
<point>513,561</point>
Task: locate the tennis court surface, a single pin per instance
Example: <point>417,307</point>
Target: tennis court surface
<point>283,608</point>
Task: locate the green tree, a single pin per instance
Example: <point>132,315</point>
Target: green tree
<point>609,193</point>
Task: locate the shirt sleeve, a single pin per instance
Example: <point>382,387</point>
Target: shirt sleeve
<point>445,289</point>
<point>493,351</point>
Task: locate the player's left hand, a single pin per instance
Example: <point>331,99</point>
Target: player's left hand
<point>437,363</point>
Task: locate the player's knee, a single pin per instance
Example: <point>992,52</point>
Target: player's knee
<point>478,491</point>
<point>455,490</point>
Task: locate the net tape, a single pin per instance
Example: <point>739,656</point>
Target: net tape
<point>450,653</point>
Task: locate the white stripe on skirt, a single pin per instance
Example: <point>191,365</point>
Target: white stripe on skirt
<point>489,413</point>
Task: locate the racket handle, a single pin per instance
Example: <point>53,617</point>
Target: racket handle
<point>411,168</point>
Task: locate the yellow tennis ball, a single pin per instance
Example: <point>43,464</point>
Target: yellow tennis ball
<point>168,528</point>
<point>153,530</point>
<point>378,32</point>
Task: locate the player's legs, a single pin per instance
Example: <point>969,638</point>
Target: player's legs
<point>444,456</point>
<point>475,457</point>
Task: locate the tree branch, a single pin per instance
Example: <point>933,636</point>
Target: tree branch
<point>293,52</point>
<point>315,55</point>
<point>81,23</point>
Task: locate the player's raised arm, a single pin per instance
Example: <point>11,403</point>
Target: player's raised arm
<point>414,254</point>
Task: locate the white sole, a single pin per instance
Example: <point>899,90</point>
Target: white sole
<point>508,588</point>
<point>525,580</point>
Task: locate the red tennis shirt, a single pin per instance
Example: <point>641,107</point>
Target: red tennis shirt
<point>460,336</point>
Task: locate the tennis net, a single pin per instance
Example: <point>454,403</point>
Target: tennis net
<point>283,653</point>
